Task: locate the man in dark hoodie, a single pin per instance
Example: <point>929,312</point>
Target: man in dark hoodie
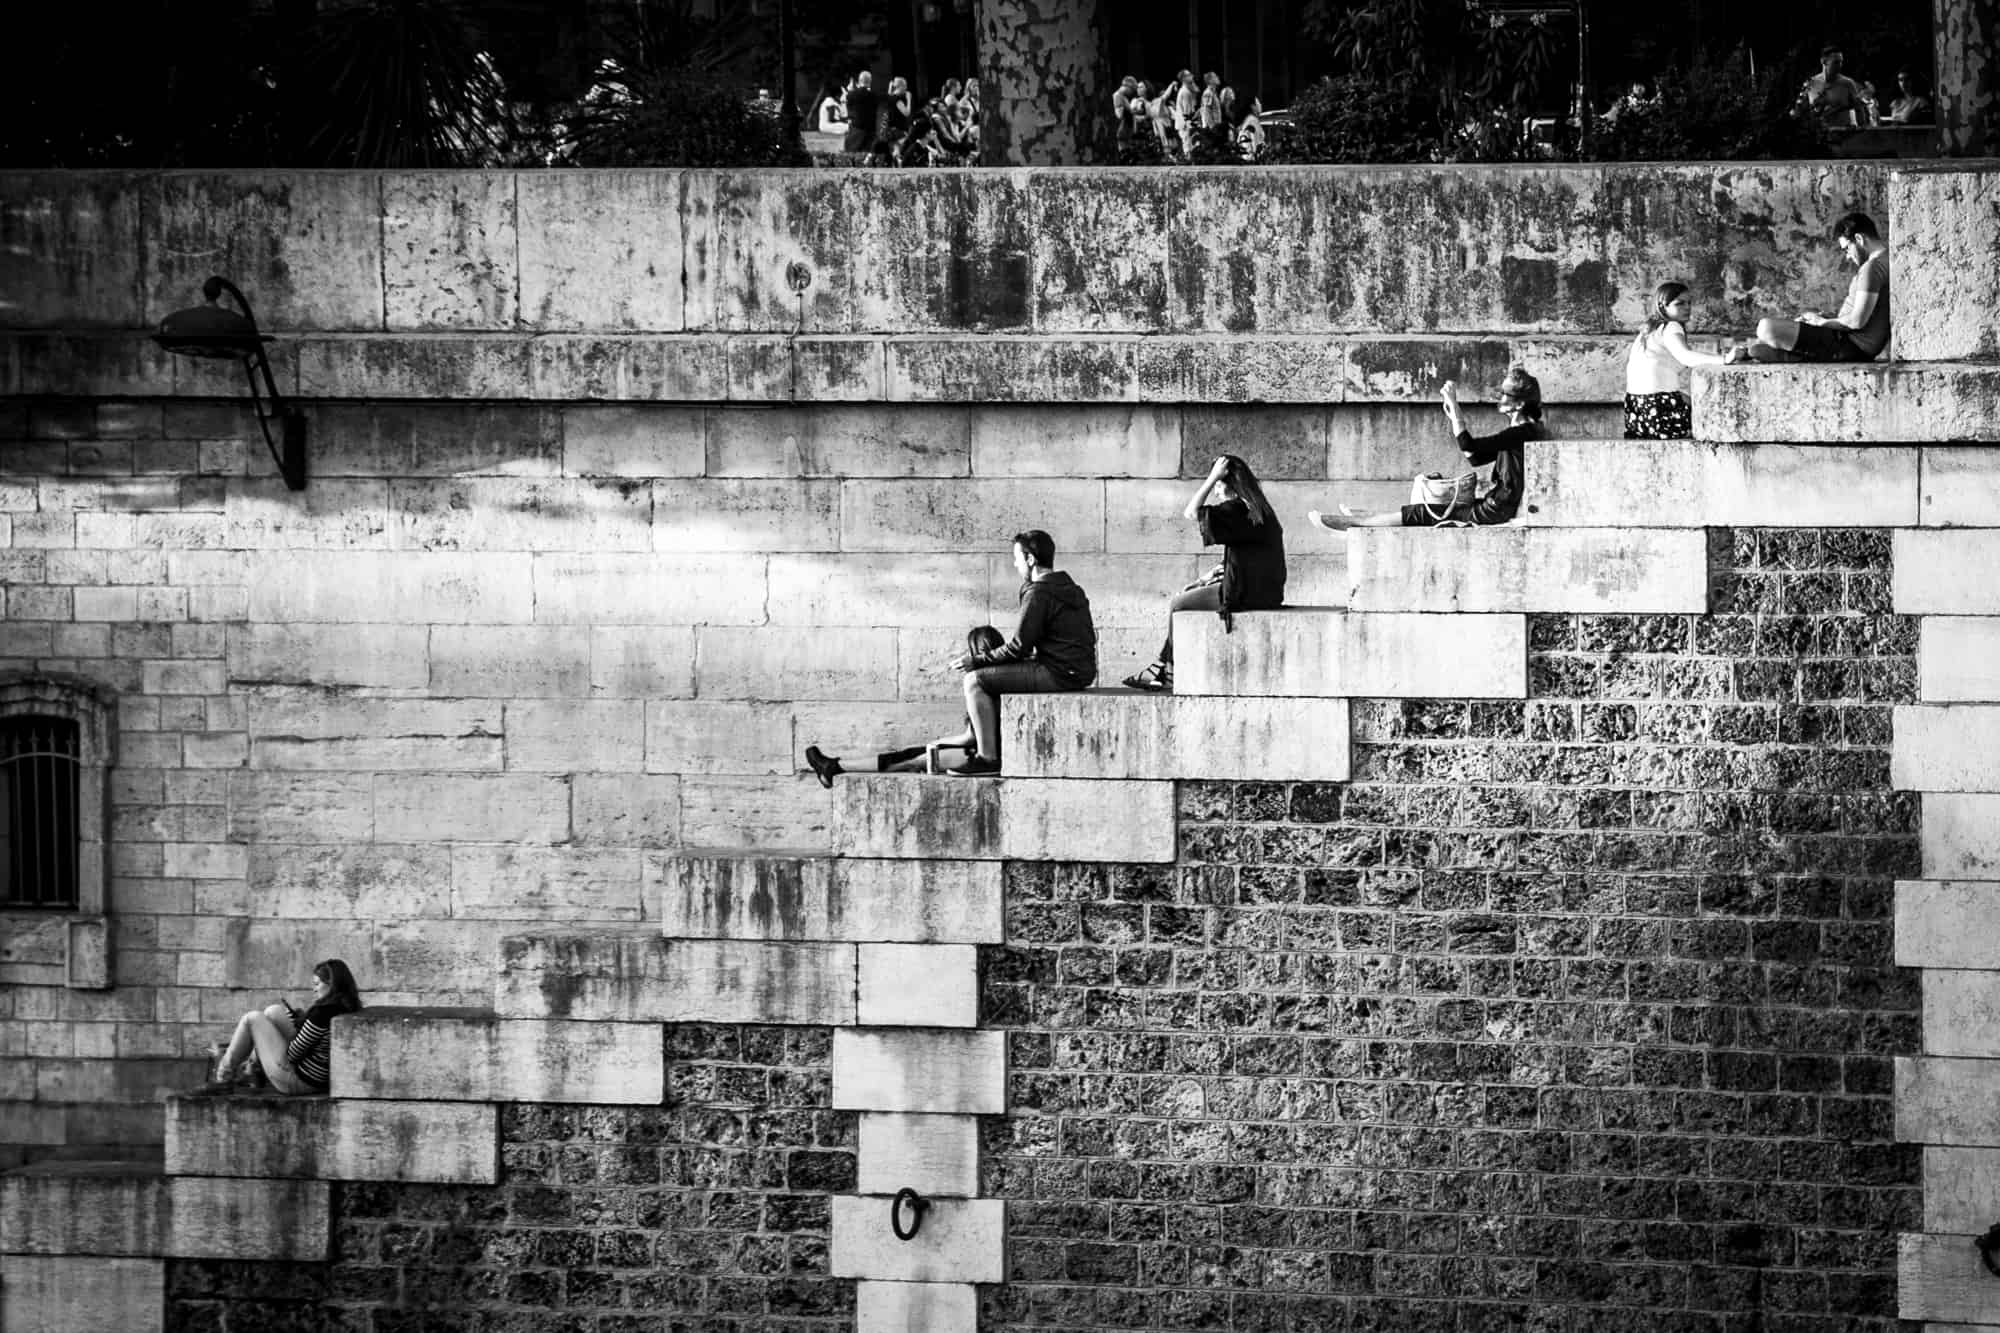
<point>1054,648</point>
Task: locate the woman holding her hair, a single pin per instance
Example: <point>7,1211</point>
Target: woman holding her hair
<point>292,1047</point>
<point>1230,508</point>
<point>1656,398</point>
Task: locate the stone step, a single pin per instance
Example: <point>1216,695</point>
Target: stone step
<point>128,1210</point>
<point>623,976</point>
<point>753,896</point>
<point>1695,484</point>
<point>462,1055</point>
<point>1330,652</point>
<point>905,816</point>
<point>1128,734</point>
<point>1946,748</point>
<point>1913,402</point>
<point>42,1293</point>
<point>327,1138</point>
<point>1510,568</point>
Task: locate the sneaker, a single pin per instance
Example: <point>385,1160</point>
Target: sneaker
<point>1153,679</point>
<point>976,767</point>
<point>822,767</point>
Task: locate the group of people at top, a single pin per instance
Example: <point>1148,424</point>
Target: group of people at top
<point>1840,103</point>
<point>894,129</point>
<point>1054,643</point>
<point>1183,112</point>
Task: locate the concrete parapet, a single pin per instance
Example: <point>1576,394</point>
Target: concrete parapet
<point>1946,232</point>
<point>93,1294</point>
<point>751,897</point>
<point>916,1307</point>
<point>1696,484</point>
<point>1946,748</point>
<point>625,977</point>
<point>961,1240</point>
<point>928,1070</point>
<point>1947,923</point>
<point>1124,734</point>
<point>1892,402</point>
<point>931,1154</point>
<point>426,1055</point>
<point>325,1138</point>
<point>1329,652</point>
<point>126,1209</point>
<point>1509,568</point>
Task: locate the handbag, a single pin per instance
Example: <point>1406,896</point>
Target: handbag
<point>1439,494</point>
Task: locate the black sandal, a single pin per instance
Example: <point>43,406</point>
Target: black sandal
<point>822,767</point>
<point>1154,679</point>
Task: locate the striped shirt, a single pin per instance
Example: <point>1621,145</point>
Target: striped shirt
<point>307,1055</point>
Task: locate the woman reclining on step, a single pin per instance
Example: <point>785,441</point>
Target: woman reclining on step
<point>911,758</point>
<point>291,1047</point>
<point>1232,513</point>
<point>1520,401</point>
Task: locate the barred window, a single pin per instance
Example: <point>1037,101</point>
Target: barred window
<point>39,762</point>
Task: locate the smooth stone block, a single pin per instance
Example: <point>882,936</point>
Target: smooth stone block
<point>960,1240</point>
<point>1958,659</point>
<point>1333,653</point>
<point>1945,572</point>
<point>1960,837</point>
<point>1948,1101</point>
<point>1867,403</point>
<point>1508,568</point>
<point>918,985</point>
<point>435,1142</point>
<point>751,897</point>
<point>1695,484</point>
<point>606,977</point>
<point>1947,923</point>
<point>427,1055</point>
<point>1960,1185</point>
<point>916,1307</point>
<point>216,1218</point>
<point>1962,1012</point>
<point>1043,819</point>
<point>62,1294</point>
<point>725,812</point>
<point>903,816</point>
<point>1941,1277</point>
<point>931,1154</point>
<point>129,1209</point>
<point>1124,734</point>
<point>1947,229</point>
<point>1946,748</point>
<point>1961,487</point>
<point>926,1070</point>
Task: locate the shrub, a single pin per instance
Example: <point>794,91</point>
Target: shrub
<point>1713,112</point>
<point>1359,118</point>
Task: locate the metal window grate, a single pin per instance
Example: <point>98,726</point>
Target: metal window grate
<point>39,762</point>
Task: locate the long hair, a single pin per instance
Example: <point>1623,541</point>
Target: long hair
<point>1664,295</point>
<point>341,981</point>
<point>1525,388</point>
<point>1242,483</point>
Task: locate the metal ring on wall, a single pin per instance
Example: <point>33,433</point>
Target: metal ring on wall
<point>918,1206</point>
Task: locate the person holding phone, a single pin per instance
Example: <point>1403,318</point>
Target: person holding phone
<point>291,1047</point>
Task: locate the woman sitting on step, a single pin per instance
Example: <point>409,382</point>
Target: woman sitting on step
<point>1520,401</point>
<point>1656,397</point>
<point>1232,512</point>
<point>911,758</point>
<point>291,1047</point>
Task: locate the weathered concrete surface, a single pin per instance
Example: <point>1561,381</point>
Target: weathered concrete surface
<point>1947,924</point>
<point>610,977</point>
<point>1960,838</point>
<point>931,1154</point>
<point>1945,573</point>
<point>827,898</point>
<point>917,985</point>
<point>1962,1013</point>
<point>962,1240</point>
<point>1690,483</point>
<point>1960,1185</point>
<point>1941,1278</point>
<point>1517,569</point>
<point>1878,402</point>
<point>126,1209</point>
<point>916,1307</point>
<point>424,1055</point>
<point>327,1138</point>
<point>1331,653</point>
<point>1964,36</point>
<point>58,1294</point>
<point>929,1071</point>
<point>1948,1101</point>
<point>1946,240</point>
<point>1946,747</point>
<point>1124,734</point>
<point>1958,659</point>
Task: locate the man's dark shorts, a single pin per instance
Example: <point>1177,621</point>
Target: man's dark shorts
<point>1817,342</point>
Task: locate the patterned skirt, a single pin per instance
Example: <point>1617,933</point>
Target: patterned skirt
<point>1658,416</point>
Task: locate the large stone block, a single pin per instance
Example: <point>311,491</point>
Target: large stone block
<point>969,514</point>
<point>398,587</point>
<point>632,440</point>
<point>1960,838</point>
<point>1014,369</point>
<point>901,816</point>
<point>471,807</point>
<point>1330,653</point>
<point>876,440</point>
<point>803,368</point>
<point>1948,1101</point>
<point>1960,1185</point>
<point>514,882</point>
<point>1056,820</point>
<point>215,1218</point>
<point>1962,1012</point>
<point>1958,659</point>
<point>931,1071</point>
<point>326,1138</point>
<point>417,365</point>
<point>1062,441</point>
<point>1942,1278</point>
<point>746,514</point>
<point>648,368</point>
<point>961,1240</point>
<point>1961,487</point>
<point>1123,734</point>
<point>508,661</point>
<point>719,736</point>
<point>421,957</point>
<point>1948,747</point>
<point>61,1294</point>
<point>1892,402</point>
<point>1944,572</point>
<point>72,257</point>
<point>1947,923</point>
<point>575,735</point>
<point>366,882</point>
<point>389,657</point>
<point>600,249</point>
<point>666,588</point>
<point>1694,484</point>
<point>605,977</point>
<point>917,985</point>
<point>742,237</point>
<point>915,1307</point>
<point>791,662</point>
<point>961,241</point>
<point>724,813</point>
<point>814,590</point>
<point>1947,231</point>
<point>827,898</point>
<point>428,1055</point>
<point>126,1209</point>
<point>449,248</point>
<point>1235,369</point>
<point>525,514</point>
<point>1507,568</point>
<point>625,810</point>
<point>931,1154</point>
<point>1100,250</point>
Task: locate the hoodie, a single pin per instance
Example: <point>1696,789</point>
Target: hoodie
<point>1054,629</point>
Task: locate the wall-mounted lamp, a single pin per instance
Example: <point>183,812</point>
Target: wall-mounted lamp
<point>217,334</point>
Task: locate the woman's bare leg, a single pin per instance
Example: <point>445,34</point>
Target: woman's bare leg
<point>267,1032</point>
<point>1354,518</point>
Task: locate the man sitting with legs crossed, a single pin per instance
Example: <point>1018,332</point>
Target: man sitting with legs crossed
<point>1053,648</point>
